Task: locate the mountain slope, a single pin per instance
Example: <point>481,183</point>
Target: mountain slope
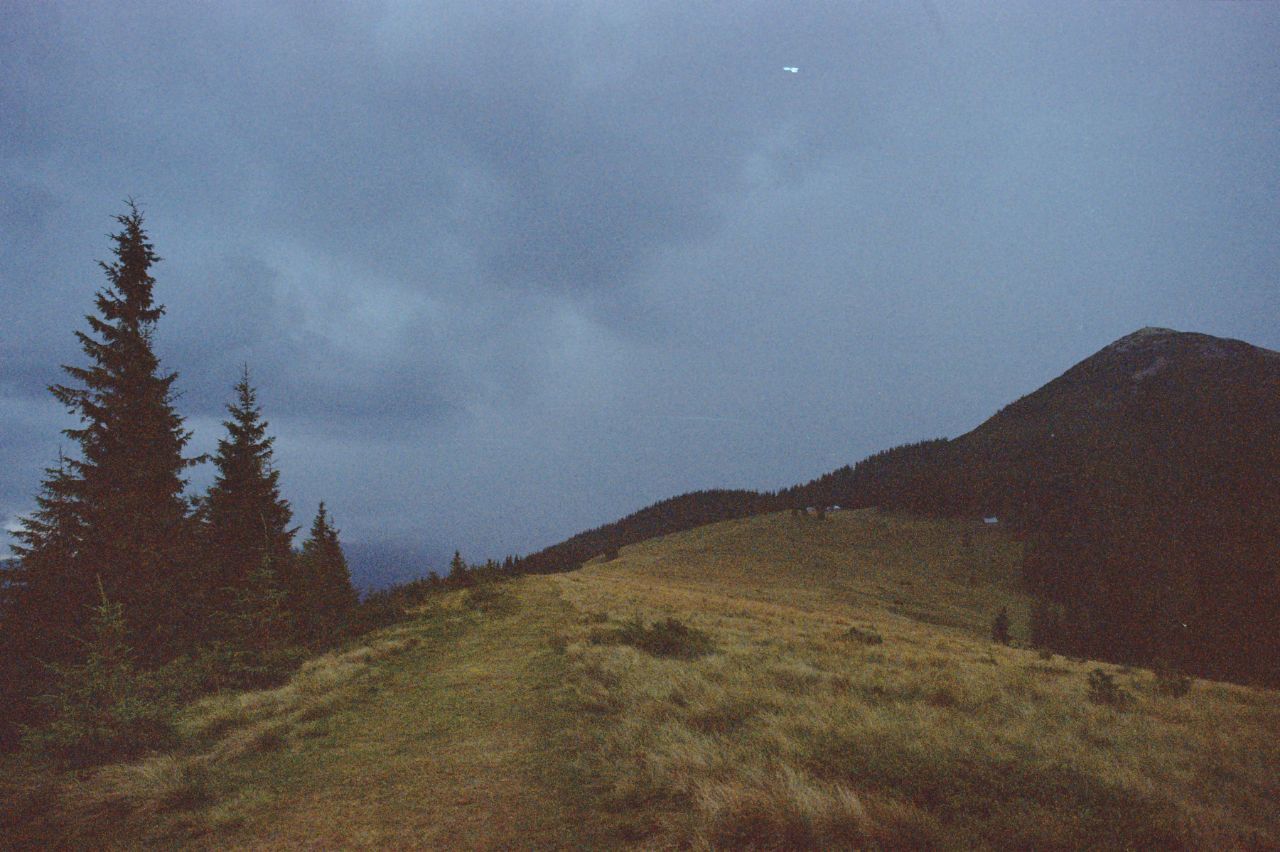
<point>848,698</point>
<point>1146,481</point>
<point>829,717</point>
<point>1208,406</point>
<point>672,515</point>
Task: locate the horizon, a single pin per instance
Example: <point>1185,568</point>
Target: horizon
<point>502,276</point>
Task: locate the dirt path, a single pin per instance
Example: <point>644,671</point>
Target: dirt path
<point>463,744</point>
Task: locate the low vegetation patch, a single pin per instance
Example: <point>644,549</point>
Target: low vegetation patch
<point>669,637</point>
<point>1104,690</point>
<point>488,597</point>
<point>863,635</point>
<point>1171,681</point>
<point>746,814</point>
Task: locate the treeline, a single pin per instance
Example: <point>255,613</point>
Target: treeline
<point>673,515</point>
<point>387,606</point>
<point>125,590</point>
<point>903,478</point>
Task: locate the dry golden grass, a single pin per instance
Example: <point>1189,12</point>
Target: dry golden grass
<point>166,797</point>
<point>798,734</point>
<point>450,731</point>
<point>849,698</point>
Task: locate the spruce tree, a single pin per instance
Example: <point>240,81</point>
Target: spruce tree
<point>321,592</point>
<point>103,708</point>
<point>44,604</point>
<point>458,571</point>
<point>119,507</point>
<point>245,520</point>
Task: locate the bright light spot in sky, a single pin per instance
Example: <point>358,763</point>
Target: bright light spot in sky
<point>790,68</point>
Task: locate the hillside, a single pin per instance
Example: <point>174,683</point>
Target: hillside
<point>1204,408</point>
<point>826,684</point>
<point>1146,483</point>
<point>672,515</point>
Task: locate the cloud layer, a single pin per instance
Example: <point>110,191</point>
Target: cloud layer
<point>506,271</point>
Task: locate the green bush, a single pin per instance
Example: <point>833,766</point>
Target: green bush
<point>103,708</point>
<point>222,666</point>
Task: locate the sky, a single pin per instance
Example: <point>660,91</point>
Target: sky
<point>506,271</point>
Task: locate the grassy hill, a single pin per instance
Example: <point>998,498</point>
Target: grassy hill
<point>771,682</point>
<point>1145,481</point>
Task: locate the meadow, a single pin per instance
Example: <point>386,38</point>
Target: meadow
<point>770,683</point>
<point>854,699</point>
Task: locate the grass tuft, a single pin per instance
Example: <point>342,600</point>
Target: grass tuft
<point>781,811</point>
<point>864,635</point>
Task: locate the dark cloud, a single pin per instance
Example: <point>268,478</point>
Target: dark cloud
<point>505,271</point>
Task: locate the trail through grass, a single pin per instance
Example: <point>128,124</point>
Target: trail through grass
<point>457,738</point>
<point>461,746</point>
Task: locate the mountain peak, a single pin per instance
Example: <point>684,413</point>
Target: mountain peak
<point>1145,336</point>
<point>1148,330</point>
<point>1154,341</point>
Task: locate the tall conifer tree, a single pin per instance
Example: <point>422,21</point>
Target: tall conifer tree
<point>117,514</point>
<point>245,520</point>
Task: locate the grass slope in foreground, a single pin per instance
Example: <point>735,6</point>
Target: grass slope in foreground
<point>774,682</point>
<point>450,731</point>
<point>854,700</point>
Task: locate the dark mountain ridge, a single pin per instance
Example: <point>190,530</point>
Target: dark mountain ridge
<point>1145,481</point>
<point>1204,402</point>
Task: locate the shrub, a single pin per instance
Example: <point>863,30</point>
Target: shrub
<point>487,597</point>
<point>867,636</point>
<point>668,638</point>
<point>1000,626</point>
<point>103,708</point>
<point>1104,690</point>
<point>221,666</point>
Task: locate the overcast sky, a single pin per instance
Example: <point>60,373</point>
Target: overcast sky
<point>505,271</point>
